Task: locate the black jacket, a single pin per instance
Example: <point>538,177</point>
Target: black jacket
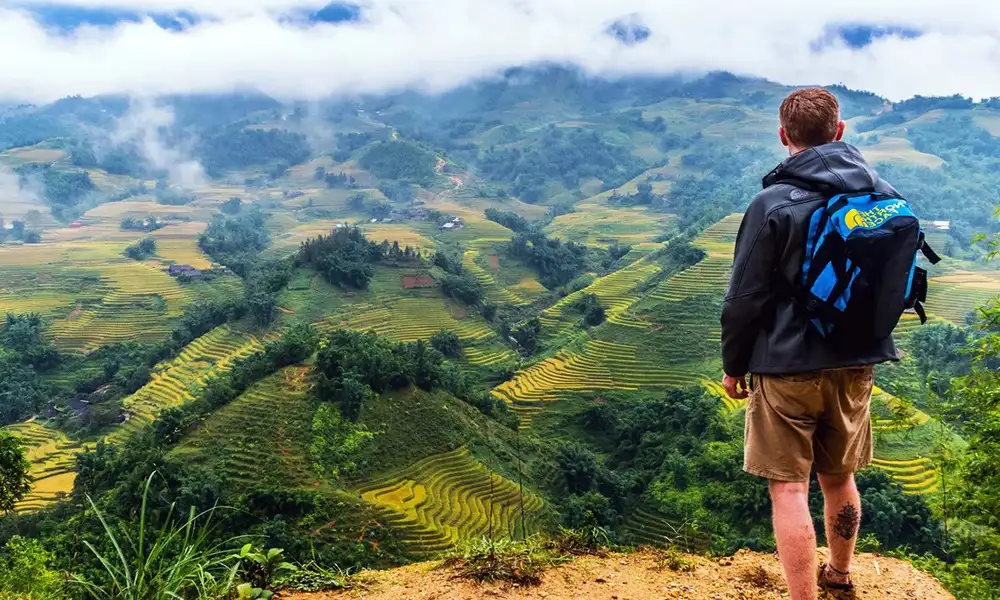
<point>762,329</point>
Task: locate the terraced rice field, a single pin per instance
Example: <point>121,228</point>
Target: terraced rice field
<point>710,276</point>
<point>615,291</point>
<point>114,212</point>
<point>494,290</point>
<point>910,322</point>
<point>176,382</point>
<point>715,389</point>
<point>601,365</point>
<point>598,225</point>
<point>900,150</point>
<point>409,319</point>
<point>53,459</point>
<point>956,295</point>
<point>140,304</point>
<point>917,475</point>
<point>404,234</point>
<point>261,437</point>
<point>910,416</point>
<point>718,240</point>
<point>488,357</point>
<point>182,252</point>
<point>450,497</point>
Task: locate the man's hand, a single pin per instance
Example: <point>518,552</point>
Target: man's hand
<point>736,387</point>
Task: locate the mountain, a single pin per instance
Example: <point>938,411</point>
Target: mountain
<point>538,260</point>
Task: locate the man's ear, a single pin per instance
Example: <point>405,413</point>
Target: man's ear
<point>841,127</point>
<point>783,136</point>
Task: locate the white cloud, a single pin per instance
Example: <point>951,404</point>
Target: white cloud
<point>438,44</point>
<point>145,125</point>
<point>15,200</point>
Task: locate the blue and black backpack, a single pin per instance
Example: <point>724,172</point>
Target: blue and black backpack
<point>860,270</point>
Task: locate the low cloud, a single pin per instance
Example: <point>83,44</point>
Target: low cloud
<point>15,200</point>
<point>146,126</point>
<point>436,45</point>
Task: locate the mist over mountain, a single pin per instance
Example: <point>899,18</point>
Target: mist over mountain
<point>299,49</point>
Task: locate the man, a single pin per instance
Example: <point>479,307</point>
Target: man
<point>809,406</point>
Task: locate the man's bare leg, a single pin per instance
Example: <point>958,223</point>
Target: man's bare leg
<point>793,530</point>
<point>843,518</point>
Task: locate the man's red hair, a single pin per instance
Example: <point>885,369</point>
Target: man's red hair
<point>810,117</point>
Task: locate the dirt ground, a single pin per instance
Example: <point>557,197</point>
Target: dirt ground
<point>641,576</point>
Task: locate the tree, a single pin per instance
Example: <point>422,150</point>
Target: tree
<point>590,306</point>
<point>335,442</point>
<point>263,308</point>
<point>579,467</point>
<point>464,288</point>
<point>142,249</point>
<point>939,351</point>
<point>25,572</point>
<point>509,219</point>
<point>344,258</point>
<point>33,237</point>
<point>15,477</point>
<point>979,496</point>
<point>352,398</point>
<point>357,202</point>
<point>557,263</point>
<point>231,206</point>
<point>447,343</point>
<point>527,334</point>
<point>237,147</point>
<point>380,209</point>
<point>24,335</point>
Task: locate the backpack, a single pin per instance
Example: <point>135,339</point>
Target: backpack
<point>860,269</point>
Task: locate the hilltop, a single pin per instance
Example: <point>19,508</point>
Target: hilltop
<point>640,576</point>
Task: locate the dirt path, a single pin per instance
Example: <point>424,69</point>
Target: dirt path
<point>642,576</point>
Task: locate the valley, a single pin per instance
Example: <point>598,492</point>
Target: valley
<point>541,267</point>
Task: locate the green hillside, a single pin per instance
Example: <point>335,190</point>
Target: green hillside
<point>338,339</point>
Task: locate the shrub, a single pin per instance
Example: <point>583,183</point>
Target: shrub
<point>25,573</point>
<point>521,562</point>
<point>447,343</point>
<point>142,249</point>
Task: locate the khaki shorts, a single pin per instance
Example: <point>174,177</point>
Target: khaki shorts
<point>820,419</point>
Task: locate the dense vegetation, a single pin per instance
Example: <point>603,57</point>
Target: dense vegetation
<point>346,257</point>
<point>238,147</point>
<point>557,263</point>
<point>564,156</point>
<point>401,161</point>
<point>63,190</point>
<point>354,368</point>
<point>24,352</point>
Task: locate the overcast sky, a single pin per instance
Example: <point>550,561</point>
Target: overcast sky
<point>272,45</point>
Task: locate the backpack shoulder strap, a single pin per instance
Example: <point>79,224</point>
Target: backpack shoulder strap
<point>929,253</point>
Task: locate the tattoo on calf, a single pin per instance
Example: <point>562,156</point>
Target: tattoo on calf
<point>847,523</point>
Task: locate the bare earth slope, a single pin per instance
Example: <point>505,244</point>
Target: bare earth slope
<point>642,576</point>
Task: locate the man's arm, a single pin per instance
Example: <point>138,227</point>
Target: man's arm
<point>750,289</point>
